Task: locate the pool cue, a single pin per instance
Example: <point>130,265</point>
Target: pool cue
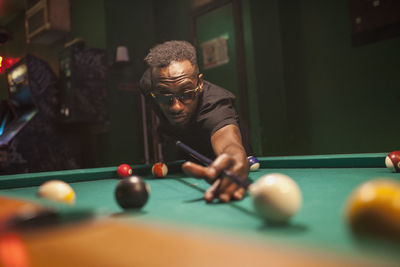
<point>233,177</point>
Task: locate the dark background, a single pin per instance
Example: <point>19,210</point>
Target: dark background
<point>310,90</point>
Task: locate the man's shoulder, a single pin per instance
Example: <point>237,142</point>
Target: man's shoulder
<point>217,108</point>
<point>214,92</point>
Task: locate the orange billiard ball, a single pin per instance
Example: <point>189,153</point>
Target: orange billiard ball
<point>392,161</point>
<point>124,170</point>
<point>159,170</point>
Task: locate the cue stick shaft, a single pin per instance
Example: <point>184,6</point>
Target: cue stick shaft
<point>233,177</point>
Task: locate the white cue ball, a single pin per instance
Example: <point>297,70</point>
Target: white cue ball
<point>58,191</point>
<point>276,197</point>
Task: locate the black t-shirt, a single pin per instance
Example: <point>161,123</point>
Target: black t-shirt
<point>216,109</point>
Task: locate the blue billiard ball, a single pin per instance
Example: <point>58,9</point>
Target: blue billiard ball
<point>254,164</point>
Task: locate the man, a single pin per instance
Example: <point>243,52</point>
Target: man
<point>198,113</point>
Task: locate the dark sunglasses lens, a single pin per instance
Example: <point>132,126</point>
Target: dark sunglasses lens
<point>164,99</point>
<point>188,95</point>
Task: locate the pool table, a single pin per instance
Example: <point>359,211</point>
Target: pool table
<point>177,228</point>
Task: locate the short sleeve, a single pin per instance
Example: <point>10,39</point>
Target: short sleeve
<point>217,109</point>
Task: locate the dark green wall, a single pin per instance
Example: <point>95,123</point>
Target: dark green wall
<point>318,93</point>
<point>254,114</point>
<point>172,20</point>
<point>340,98</point>
<point>269,74</point>
<point>130,24</point>
<point>88,22</point>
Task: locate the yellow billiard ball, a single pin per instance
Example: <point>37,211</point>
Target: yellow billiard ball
<point>58,191</point>
<point>374,208</point>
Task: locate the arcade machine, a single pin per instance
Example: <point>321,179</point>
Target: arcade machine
<point>29,139</point>
<point>82,107</point>
<point>83,91</point>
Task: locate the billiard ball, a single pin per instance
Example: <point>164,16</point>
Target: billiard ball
<point>254,163</point>
<point>159,170</point>
<point>132,193</point>
<point>392,161</point>
<point>124,170</point>
<point>56,190</point>
<point>373,209</point>
<point>276,197</point>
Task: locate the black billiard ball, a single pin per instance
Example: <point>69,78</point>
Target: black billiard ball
<point>132,193</point>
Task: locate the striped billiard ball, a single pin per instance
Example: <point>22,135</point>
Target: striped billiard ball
<point>392,161</point>
<point>159,170</point>
<point>253,163</point>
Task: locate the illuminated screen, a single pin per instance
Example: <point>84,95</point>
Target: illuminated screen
<point>19,91</point>
<point>15,126</point>
<point>21,101</point>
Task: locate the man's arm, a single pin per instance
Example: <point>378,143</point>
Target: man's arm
<point>227,145</point>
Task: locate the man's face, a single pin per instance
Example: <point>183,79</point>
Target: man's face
<point>178,78</point>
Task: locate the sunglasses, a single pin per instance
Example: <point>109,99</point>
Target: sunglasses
<point>185,97</point>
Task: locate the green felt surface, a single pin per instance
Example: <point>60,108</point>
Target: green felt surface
<point>178,200</point>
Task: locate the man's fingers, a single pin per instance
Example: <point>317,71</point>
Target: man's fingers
<point>212,171</point>
<point>239,193</point>
<point>212,191</point>
<point>192,169</point>
<point>224,189</point>
<point>221,163</point>
<point>227,189</point>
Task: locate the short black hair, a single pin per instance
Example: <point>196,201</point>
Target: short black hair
<point>163,54</point>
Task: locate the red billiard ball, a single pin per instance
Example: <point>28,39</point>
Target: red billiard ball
<point>392,161</point>
<point>159,170</point>
<point>124,170</point>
